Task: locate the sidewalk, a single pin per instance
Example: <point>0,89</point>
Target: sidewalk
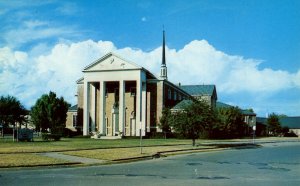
<point>73,159</point>
<point>147,154</point>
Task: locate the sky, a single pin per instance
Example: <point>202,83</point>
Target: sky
<point>249,49</point>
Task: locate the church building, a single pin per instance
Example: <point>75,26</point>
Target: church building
<point>118,98</point>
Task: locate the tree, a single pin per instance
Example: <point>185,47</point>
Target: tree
<point>11,111</point>
<point>193,120</point>
<point>231,123</point>
<point>164,121</point>
<point>50,112</point>
<point>274,124</point>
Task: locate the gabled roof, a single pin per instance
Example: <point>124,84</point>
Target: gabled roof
<point>290,122</point>
<point>261,120</point>
<point>80,81</point>
<point>111,61</point>
<point>247,112</point>
<point>243,111</point>
<point>182,104</point>
<point>198,90</point>
<point>72,108</point>
<point>222,105</point>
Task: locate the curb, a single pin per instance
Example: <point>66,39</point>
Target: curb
<point>42,165</point>
<point>162,153</point>
<point>181,151</point>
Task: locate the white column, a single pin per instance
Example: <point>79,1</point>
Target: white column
<point>93,108</point>
<point>138,106</point>
<point>143,112</point>
<point>86,95</point>
<point>102,108</point>
<point>121,106</point>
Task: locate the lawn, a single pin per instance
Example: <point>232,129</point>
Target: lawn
<point>69,144</point>
<point>23,160</point>
<point>122,153</point>
<point>18,154</point>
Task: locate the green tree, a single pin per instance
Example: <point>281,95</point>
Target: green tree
<point>50,112</point>
<point>11,111</point>
<point>274,124</point>
<point>193,120</point>
<point>164,121</point>
<point>231,123</point>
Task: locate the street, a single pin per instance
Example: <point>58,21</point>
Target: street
<point>273,164</point>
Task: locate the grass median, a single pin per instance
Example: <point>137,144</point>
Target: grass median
<point>22,154</point>
<point>27,160</point>
<point>72,144</point>
<point>127,153</point>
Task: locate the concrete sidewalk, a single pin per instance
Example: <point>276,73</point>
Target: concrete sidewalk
<point>70,158</point>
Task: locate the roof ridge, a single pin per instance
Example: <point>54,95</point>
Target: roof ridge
<point>200,85</point>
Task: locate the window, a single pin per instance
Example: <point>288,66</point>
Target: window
<point>169,94</point>
<point>116,95</point>
<point>74,120</point>
<point>175,96</point>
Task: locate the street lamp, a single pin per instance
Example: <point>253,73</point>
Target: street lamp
<point>254,129</point>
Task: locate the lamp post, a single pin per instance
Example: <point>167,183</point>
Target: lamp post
<point>254,129</point>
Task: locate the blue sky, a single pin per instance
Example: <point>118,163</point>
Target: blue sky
<point>249,49</point>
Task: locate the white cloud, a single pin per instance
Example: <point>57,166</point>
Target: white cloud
<point>68,8</point>
<point>34,23</point>
<point>28,75</point>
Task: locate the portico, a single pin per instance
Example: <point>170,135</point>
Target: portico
<point>115,101</point>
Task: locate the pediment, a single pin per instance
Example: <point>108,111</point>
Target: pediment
<point>111,62</point>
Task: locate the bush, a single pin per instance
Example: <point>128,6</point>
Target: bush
<point>51,137</point>
<point>68,133</point>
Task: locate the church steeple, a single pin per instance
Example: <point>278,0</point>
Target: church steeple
<point>163,67</point>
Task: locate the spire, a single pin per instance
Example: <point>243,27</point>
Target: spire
<point>163,67</point>
<point>163,63</point>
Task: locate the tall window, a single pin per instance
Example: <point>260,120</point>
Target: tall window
<point>175,95</point>
<point>116,95</point>
<point>74,120</point>
<point>169,94</point>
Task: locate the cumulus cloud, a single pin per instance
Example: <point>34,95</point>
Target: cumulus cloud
<point>28,75</point>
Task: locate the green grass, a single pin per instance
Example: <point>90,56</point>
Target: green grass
<point>122,153</point>
<point>23,160</point>
<point>68,144</point>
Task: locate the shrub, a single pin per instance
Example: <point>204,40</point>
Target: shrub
<point>290,134</point>
<point>51,137</point>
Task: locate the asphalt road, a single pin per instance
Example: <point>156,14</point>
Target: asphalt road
<point>274,164</point>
